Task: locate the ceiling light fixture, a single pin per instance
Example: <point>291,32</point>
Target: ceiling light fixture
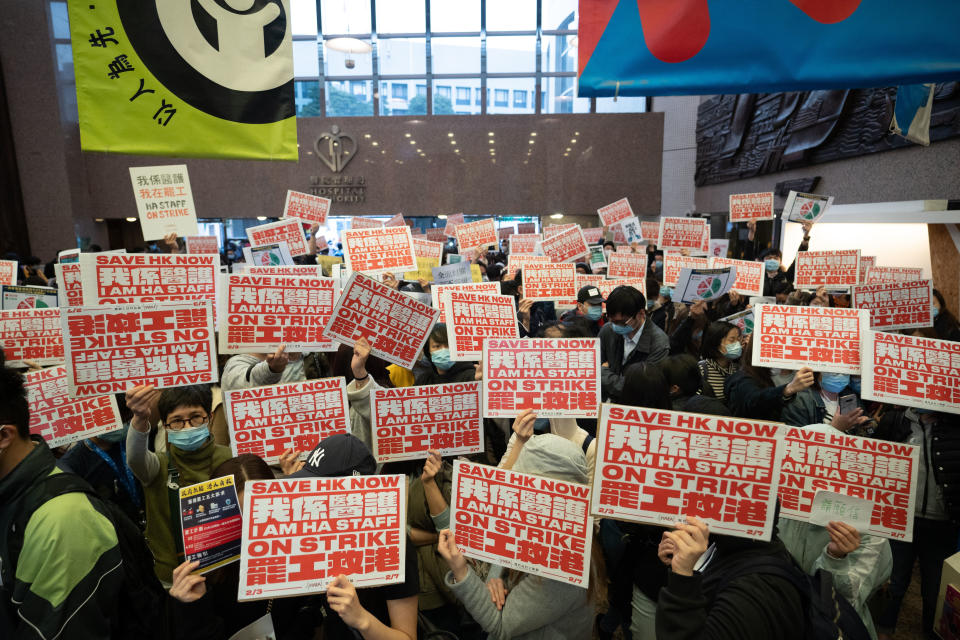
<point>557,216</point>
<point>258,218</point>
<point>131,219</point>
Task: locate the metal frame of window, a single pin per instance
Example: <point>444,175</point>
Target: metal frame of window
<point>429,77</point>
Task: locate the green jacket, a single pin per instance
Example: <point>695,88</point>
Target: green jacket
<point>67,578</point>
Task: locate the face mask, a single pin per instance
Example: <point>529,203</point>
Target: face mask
<point>441,359</point>
<point>622,329</point>
<point>771,264</point>
<point>936,311</point>
<point>666,292</point>
<point>189,439</point>
<point>834,382</point>
<point>607,252</point>
<point>594,312</point>
<point>541,425</point>
<point>855,384</point>
<point>650,304</point>
<point>657,264</point>
<point>733,350</point>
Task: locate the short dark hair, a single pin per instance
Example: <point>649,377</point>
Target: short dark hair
<point>198,395</point>
<point>644,385</point>
<point>713,335</point>
<point>784,287</point>
<point>609,244</point>
<point>771,252</point>
<point>625,300</point>
<point>682,370</point>
<point>246,466</point>
<point>15,409</point>
<point>439,334</point>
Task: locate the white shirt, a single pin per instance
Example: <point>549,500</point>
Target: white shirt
<point>630,343</point>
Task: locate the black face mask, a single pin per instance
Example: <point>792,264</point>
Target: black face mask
<point>541,425</point>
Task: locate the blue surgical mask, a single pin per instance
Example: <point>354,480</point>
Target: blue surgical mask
<point>771,264</point>
<point>594,312</point>
<point>622,329</point>
<point>834,382</point>
<point>666,292</point>
<point>189,439</point>
<point>733,350</point>
<point>657,264</point>
<point>936,311</point>
<point>441,359</point>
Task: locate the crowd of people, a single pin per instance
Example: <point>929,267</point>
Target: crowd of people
<point>70,550</point>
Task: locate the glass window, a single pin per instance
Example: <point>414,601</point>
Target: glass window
<point>631,104</point>
<point>402,56</point>
<point>303,14</point>
<point>398,104</point>
<point>341,101</point>
<point>558,53</point>
<point>511,54</point>
<point>399,91</point>
<point>338,63</point>
<point>341,17</point>
<point>444,103</point>
<point>358,87</point>
<point>305,61</point>
<point>400,17</point>
<point>521,88</point>
<point>509,15</point>
<point>476,96</point>
<point>60,20</point>
<point>560,96</point>
<point>559,14</point>
<point>454,15</point>
<point>456,55</point>
<point>421,90</point>
<point>306,95</point>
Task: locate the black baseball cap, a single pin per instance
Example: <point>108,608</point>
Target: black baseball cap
<point>339,455</point>
<point>589,294</point>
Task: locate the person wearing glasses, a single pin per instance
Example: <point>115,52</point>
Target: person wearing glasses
<point>190,457</point>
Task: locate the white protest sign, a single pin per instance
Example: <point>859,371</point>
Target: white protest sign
<point>164,201</point>
<point>704,284</point>
<point>306,207</point>
<point>472,317</point>
<point>805,207</point>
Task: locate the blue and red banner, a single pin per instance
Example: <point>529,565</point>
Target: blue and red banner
<point>696,47</point>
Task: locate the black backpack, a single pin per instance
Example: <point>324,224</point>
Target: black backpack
<point>141,609</point>
<point>829,615</point>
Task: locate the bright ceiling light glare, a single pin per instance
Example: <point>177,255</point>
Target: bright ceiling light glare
<point>406,135</point>
<point>419,150</point>
<point>383,151</point>
<point>533,134</point>
<point>367,136</point>
<point>491,141</point>
<point>98,219</point>
<point>568,149</point>
<point>450,134</point>
<point>576,133</point>
<point>134,219</point>
<point>258,218</point>
<point>456,150</point>
<point>413,142</point>
<point>453,142</point>
<point>573,141</point>
<point>557,216</point>
<point>442,217</point>
<point>490,134</point>
<point>532,141</point>
<point>375,143</point>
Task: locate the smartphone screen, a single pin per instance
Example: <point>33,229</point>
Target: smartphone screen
<point>848,403</point>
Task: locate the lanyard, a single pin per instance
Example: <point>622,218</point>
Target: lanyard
<point>125,478</point>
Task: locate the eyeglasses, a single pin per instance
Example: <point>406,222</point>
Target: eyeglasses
<point>194,420</point>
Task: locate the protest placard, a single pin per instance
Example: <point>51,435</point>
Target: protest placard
<point>749,274</point>
<point>526,227</point>
<point>893,274</point>
<point>582,280</point>
<point>471,317</point>
<point>517,262</point>
<point>408,422</point>
<point>27,297</point>
<point>831,269</point>
<point>677,234</point>
<point>454,258</point>
<point>137,277</point>
<point>31,334</point>
<point>60,419</point>
<point>626,265</point>
<point>718,248</point>
<point>308,208</point>
<point>651,232</point>
<point>110,349</point>
<point>302,270</point>
<point>202,244</point>
<point>456,273</point>
<point>8,272</point>
<point>866,262</point>
<point>822,338</point>
<point>73,255</point>
<point>379,250</point>
<point>704,284</point>
<point>258,313</point>
<point>69,284</point>
<point>896,305</point>
<point>524,522</point>
<point>269,255</point>
<point>829,507</point>
<point>428,249</point>
<point>750,207</point>
<point>425,267</point>
<point>615,212</point>
<point>504,233</point>
<point>911,371</point>
<point>805,207</point>
<point>361,222</point>
<point>164,201</point>
<point>396,221</point>
<point>556,377</point>
<point>524,243</point>
<point>551,230</point>
<point>436,235</point>
<point>743,320</point>
<point>596,258</point>
<point>549,281</point>
<point>450,227</point>
<point>621,248</point>
<point>266,421</point>
<point>437,291</point>
<point>594,235</point>
<point>630,230</point>
<point>289,231</point>
<point>210,523</point>
<point>607,286</point>
<point>567,246</point>
<point>396,325</point>
<point>477,234</point>
<point>300,534</point>
<point>674,262</point>
<point>884,473</point>
<point>658,467</point>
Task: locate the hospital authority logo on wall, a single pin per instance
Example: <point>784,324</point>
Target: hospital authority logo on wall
<point>335,149</point>
<point>207,78</point>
